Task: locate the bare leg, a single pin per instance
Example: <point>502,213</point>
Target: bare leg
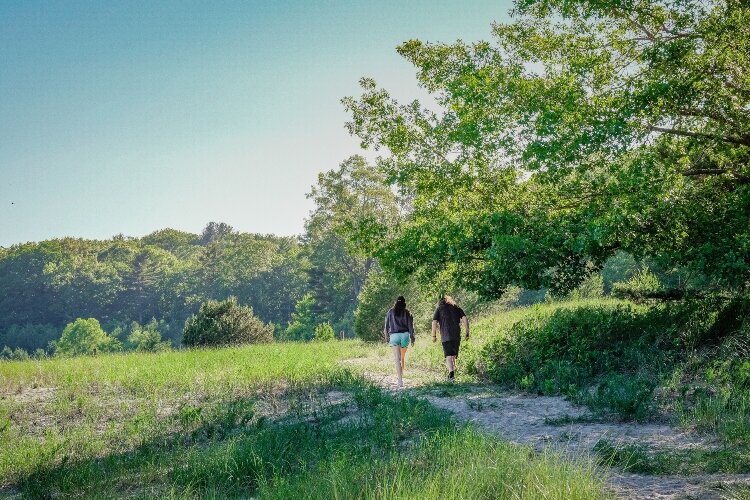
<point>403,358</point>
<point>450,363</point>
<point>397,359</point>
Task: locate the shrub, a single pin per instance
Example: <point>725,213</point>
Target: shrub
<point>225,323</point>
<point>591,288</point>
<point>20,354</point>
<point>324,331</point>
<point>642,286</point>
<point>569,350</point>
<point>84,336</point>
<point>16,354</point>
<point>628,395</point>
<point>147,338</point>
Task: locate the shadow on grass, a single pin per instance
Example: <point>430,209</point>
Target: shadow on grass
<point>641,459</point>
<point>452,389</point>
<point>229,450</point>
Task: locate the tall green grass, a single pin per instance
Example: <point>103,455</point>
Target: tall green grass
<point>250,422</point>
<point>181,371</point>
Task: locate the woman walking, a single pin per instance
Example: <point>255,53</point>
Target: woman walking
<point>398,331</point>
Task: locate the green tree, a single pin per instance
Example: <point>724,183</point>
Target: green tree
<point>171,240</point>
<point>584,128</point>
<point>225,323</point>
<point>377,296</point>
<point>324,331</point>
<point>215,231</point>
<point>350,201</point>
<point>304,320</point>
<point>84,336</point>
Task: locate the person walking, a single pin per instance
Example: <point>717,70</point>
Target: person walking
<point>398,331</point>
<point>448,317</point>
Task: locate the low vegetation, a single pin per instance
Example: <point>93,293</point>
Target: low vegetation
<point>270,421</point>
<point>685,363</point>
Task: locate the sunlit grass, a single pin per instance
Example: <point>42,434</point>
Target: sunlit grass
<point>254,421</point>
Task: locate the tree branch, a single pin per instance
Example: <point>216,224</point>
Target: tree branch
<point>742,141</point>
<point>693,172</point>
<point>702,113</point>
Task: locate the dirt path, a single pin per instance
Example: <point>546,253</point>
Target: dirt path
<point>553,422</point>
<point>535,421</point>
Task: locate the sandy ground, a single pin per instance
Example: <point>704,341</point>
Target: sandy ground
<point>534,421</point>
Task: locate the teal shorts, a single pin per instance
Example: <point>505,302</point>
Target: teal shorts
<point>401,339</point>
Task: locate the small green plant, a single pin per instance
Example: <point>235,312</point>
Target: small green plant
<point>641,459</point>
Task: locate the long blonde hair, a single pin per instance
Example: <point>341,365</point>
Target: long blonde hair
<point>446,299</point>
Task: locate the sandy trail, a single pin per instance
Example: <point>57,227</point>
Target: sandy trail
<point>534,421</point>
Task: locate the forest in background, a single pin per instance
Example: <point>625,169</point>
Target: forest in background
<point>156,282</point>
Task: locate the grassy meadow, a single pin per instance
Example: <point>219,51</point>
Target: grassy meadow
<point>286,420</point>
<point>290,420</point>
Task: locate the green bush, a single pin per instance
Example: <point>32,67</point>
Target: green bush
<point>85,336</point>
<point>627,395</point>
<point>571,351</point>
<point>16,354</point>
<point>613,356</point>
<point>225,323</point>
<point>641,286</point>
<point>147,338</point>
<point>324,331</point>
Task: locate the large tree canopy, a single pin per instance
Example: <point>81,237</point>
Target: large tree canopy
<point>350,199</point>
<point>582,128</point>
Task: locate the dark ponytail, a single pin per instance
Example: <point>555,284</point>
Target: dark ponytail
<point>400,306</point>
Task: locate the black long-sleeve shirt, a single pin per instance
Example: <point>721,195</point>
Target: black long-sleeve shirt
<point>398,324</point>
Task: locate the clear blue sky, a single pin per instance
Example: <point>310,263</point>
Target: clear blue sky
<point>127,117</point>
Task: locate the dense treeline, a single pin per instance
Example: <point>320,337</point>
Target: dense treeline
<point>165,275</point>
